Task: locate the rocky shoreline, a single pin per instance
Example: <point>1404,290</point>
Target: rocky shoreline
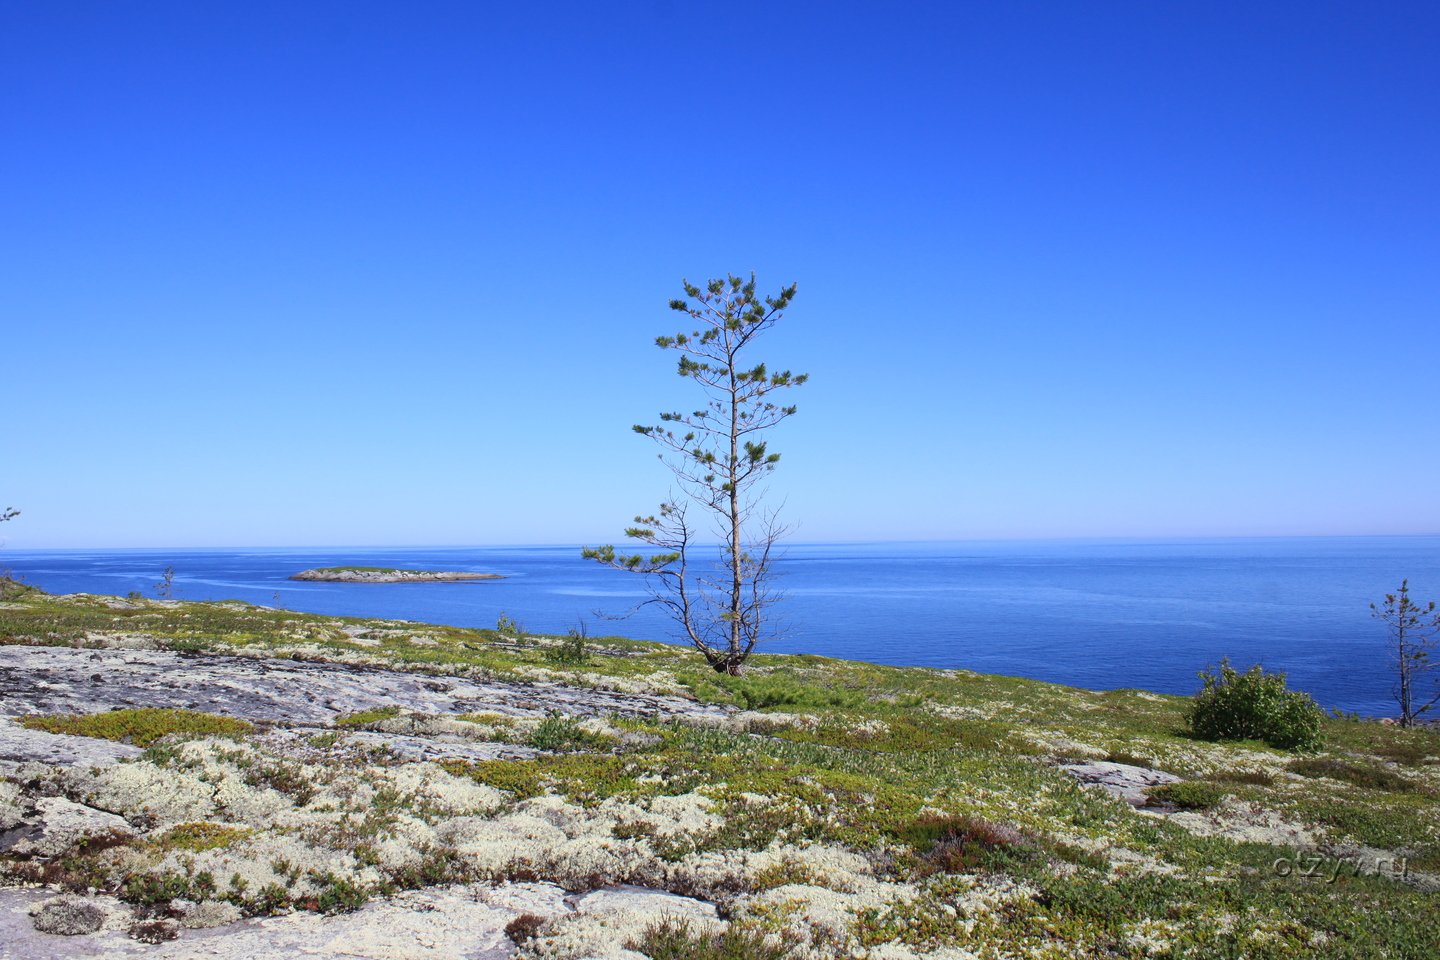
<point>220,780</point>
<point>358,575</point>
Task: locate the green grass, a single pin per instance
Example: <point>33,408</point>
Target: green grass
<point>364,718</point>
<point>141,727</point>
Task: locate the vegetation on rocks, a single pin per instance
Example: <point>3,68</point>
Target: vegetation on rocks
<point>142,727</point>
<point>831,808</point>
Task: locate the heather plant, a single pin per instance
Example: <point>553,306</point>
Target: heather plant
<point>1254,705</point>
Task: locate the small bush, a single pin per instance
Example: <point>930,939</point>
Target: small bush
<point>1370,777</point>
<point>524,928</point>
<point>776,690</point>
<point>962,844</point>
<point>558,733</point>
<point>574,649</point>
<point>141,727</point>
<point>1188,795</point>
<point>1254,705</point>
<point>154,931</point>
<point>678,940</point>
<point>507,626</point>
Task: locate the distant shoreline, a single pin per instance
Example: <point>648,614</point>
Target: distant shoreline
<point>385,575</point>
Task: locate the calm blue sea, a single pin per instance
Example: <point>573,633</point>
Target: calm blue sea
<point>1093,614</point>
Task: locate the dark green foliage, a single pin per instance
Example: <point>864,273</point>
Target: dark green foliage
<point>339,895</point>
<point>1254,705</point>
<point>1361,775</point>
<point>758,693</point>
<point>1188,795</point>
<point>678,940</point>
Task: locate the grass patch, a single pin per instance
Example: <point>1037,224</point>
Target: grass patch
<point>1369,776</point>
<point>362,718</point>
<point>142,726</point>
<point>558,733</point>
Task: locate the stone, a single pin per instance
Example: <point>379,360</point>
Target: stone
<point>1124,780</point>
<point>54,825</point>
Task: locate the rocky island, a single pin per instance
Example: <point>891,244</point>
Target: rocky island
<point>217,780</point>
<point>389,575</point>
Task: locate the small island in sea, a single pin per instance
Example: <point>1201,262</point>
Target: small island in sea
<point>389,575</point>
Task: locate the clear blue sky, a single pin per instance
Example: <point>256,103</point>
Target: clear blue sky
<point>278,273</point>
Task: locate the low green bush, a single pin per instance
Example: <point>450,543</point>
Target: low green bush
<point>1188,795</point>
<point>558,733</point>
<point>1254,705</point>
<point>141,726</point>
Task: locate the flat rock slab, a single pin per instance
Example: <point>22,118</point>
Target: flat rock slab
<point>1122,779</point>
<point>54,825</point>
<point>19,745</point>
<point>442,923</point>
<point>449,923</point>
<point>68,680</point>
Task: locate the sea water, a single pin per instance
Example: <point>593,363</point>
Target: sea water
<point>1095,614</point>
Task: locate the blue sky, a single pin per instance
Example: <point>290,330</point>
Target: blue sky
<point>362,273</point>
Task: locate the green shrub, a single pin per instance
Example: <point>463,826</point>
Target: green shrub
<point>1188,795</point>
<point>558,733</point>
<point>573,649</point>
<point>142,726</point>
<point>1254,705</point>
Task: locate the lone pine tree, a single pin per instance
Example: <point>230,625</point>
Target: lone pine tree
<point>1414,628</point>
<point>718,456</point>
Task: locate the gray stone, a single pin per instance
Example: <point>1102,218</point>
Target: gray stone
<point>19,745</point>
<point>54,825</point>
<point>58,680</point>
<point>1121,779</point>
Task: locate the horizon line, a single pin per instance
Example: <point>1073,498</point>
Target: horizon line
<point>1149,538</point>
